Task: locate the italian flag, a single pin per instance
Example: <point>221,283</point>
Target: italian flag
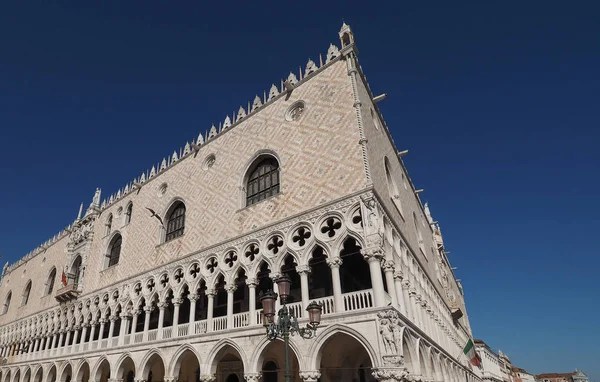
<point>471,354</point>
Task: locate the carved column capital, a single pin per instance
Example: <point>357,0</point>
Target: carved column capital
<point>303,269</point>
<point>388,266</point>
<point>193,297</point>
<point>161,305</point>
<point>251,282</point>
<point>398,274</point>
<point>390,374</point>
<point>274,276</point>
<point>177,301</point>
<point>372,253</point>
<point>208,378</point>
<point>252,377</point>
<point>230,288</point>
<point>310,375</point>
<point>334,262</point>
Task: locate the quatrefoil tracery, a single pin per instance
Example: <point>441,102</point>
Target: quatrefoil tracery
<point>230,258</point>
<point>194,270</point>
<point>178,275</point>
<point>252,252</point>
<point>274,244</point>
<point>212,264</point>
<point>301,236</point>
<point>331,226</point>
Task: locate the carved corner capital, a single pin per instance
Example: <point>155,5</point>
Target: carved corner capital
<point>310,375</point>
<point>252,377</point>
<point>208,378</point>
<point>334,262</point>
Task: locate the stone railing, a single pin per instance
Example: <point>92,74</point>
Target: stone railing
<point>352,301</point>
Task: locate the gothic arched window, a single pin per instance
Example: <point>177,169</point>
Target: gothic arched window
<point>50,282</point>
<point>7,302</point>
<point>175,221</point>
<point>76,269</point>
<point>128,213</point>
<point>114,250</point>
<point>263,180</point>
<point>26,293</point>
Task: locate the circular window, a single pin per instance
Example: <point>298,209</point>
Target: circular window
<point>209,161</point>
<point>162,190</point>
<point>295,111</point>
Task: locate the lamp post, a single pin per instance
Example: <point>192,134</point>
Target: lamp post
<point>287,322</point>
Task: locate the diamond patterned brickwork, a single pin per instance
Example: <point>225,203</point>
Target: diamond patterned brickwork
<point>320,161</point>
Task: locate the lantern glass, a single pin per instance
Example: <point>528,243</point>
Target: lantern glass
<point>267,300</point>
<point>284,284</point>
<point>314,313</point>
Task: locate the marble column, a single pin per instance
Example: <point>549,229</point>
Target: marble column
<point>251,283</point>
<point>176,305</point>
<point>210,293</point>
<point>230,288</point>
<point>338,301</point>
<point>135,313</point>
<point>193,297</point>
<point>303,271</point>
<point>111,328</point>
<point>398,277</point>
<point>388,269</point>
<point>373,257</point>
<point>161,319</point>
<point>147,311</point>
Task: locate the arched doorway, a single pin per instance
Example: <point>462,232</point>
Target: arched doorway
<point>83,375</point>
<point>27,375</point>
<point>227,365</point>
<point>103,372</point>
<point>272,362</point>
<point>187,367</point>
<point>51,376</point>
<point>126,369</point>
<point>67,374</point>
<point>38,375</point>
<point>154,369</point>
<point>343,358</point>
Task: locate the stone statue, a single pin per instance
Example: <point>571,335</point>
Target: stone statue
<point>387,334</point>
<point>96,199</point>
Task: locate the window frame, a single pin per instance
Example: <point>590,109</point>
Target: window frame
<point>110,257</point>
<point>175,224</point>
<point>258,176</point>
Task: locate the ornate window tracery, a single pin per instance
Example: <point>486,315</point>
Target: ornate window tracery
<point>114,252</point>
<point>176,222</point>
<point>263,181</point>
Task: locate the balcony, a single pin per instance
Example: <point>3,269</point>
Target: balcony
<point>67,293</point>
<point>353,301</point>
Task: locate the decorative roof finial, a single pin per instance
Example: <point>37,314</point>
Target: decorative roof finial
<point>80,211</point>
<point>346,35</point>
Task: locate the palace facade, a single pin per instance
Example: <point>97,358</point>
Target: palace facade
<point>162,278</point>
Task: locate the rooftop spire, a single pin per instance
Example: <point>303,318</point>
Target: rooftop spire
<point>346,35</point>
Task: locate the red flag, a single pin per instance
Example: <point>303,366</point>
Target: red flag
<point>64,279</point>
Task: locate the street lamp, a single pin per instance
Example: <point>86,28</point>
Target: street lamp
<point>287,322</point>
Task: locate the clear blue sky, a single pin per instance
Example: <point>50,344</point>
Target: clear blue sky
<point>498,105</point>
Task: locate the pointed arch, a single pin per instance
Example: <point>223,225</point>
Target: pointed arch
<point>113,251</point>
<point>102,365</point>
<point>82,371</point>
<point>120,363</point>
<point>49,286</point>
<point>315,352</point>
<point>258,354</point>
<point>173,219</point>
<point>220,348</point>
<point>66,371</point>
<point>26,293</point>
<point>145,365</point>
<point>7,302</point>
<point>175,365</point>
<point>261,177</point>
